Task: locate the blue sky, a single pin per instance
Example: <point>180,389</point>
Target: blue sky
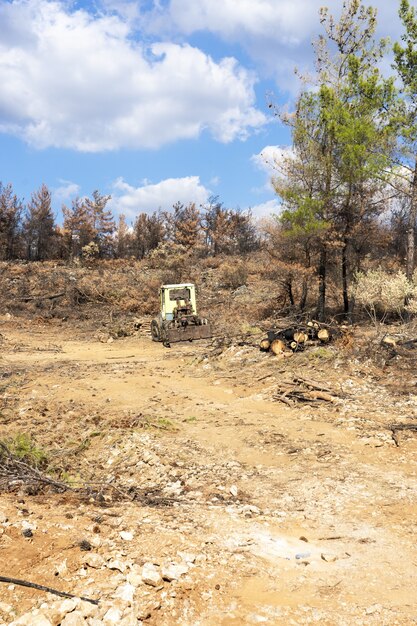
<point>152,101</point>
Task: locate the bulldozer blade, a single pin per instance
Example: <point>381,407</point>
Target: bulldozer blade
<point>188,333</point>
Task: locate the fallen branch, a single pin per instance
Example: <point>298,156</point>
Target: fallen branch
<point>26,583</point>
<point>396,427</point>
<point>41,297</point>
<point>303,390</point>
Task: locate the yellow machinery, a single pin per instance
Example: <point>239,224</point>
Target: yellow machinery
<point>178,319</point>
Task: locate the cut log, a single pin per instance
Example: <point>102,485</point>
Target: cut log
<point>389,342</point>
<point>323,335</point>
<point>319,395</point>
<point>264,345</point>
<point>277,347</point>
<point>300,337</point>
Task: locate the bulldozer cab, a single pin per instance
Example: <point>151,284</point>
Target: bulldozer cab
<point>177,300</point>
<point>178,319</point>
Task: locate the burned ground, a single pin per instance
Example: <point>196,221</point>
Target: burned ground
<point>210,483</point>
<point>191,493</point>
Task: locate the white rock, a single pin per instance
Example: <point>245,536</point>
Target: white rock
<point>118,565</point>
<point>187,557</point>
<point>150,575</point>
<point>134,578</point>
<point>125,592</point>
<point>174,571</point>
<point>95,541</point>
<point>126,536</point>
<point>129,618</point>
<point>5,608</point>
<point>28,525</point>
<point>29,619</point>
<point>233,490</point>
<point>113,616</point>
<point>58,610</point>
<point>3,517</point>
<point>249,509</point>
<point>87,609</point>
<point>73,619</point>
<point>61,569</point>
<point>94,560</point>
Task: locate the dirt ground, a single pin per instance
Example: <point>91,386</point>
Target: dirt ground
<point>266,513</point>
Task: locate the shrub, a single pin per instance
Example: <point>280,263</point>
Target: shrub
<point>381,293</point>
<point>233,275</point>
<point>24,448</point>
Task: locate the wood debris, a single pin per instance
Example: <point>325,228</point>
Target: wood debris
<point>304,390</point>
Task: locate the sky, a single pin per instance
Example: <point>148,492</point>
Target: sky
<point>153,101</point>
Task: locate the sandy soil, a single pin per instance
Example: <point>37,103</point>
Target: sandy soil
<point>276,514</point>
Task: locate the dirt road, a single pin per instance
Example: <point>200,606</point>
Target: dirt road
<point>269,513</point>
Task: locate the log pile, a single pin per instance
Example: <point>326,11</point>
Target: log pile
<point>304,390</point>
<point>285,341</point>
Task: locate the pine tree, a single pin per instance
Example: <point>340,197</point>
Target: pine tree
<point>406,66</point>
<point>341,142</point>
<point>102,223</point>
<point>77,228</point>
<point>10,223</point>
<point>39,226</point>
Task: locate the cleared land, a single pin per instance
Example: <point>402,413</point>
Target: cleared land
<point>270,513</point>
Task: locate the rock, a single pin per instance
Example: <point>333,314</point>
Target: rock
<point>249,510</point>
<point>150,575</point>
<point>125,592</point>
<point>126,536</point>
<point>173,489</point>
<point>129,618</point>
<point>75,618</point>
<point>28,525</point>
<point>87,609</point>
<point>174,571</point>
<point>95,561</point>
<point>187,557</point>
<point>113,616</point>
<point>233,490</point>
<point>95,541</point>
<point>61,569</point>
<point>5,608</point>
<point>118,565</point>
<point>58,610</point>
<point>3,517</point>
<point>29,619</point>
<point>134,577</point>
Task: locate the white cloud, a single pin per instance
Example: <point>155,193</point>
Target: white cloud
<point>283,20</point>
<point>270,157</point>
<point>76,81</point>
<point>265,209</point>
<point>276,33</point>
<point>268,161</point>
<point>150,197</point>
<point>66,191</point>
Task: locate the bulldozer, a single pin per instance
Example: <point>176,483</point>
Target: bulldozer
<point>178,319</point>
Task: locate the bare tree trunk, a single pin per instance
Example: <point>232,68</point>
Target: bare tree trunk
<point>411,226</point>
<point>304,292</point>
<point>345,276</point>
<point>321,303</point>
<point>288,286</point>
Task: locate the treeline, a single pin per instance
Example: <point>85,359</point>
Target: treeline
<point>90,230</point>
<point>349,183</point>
